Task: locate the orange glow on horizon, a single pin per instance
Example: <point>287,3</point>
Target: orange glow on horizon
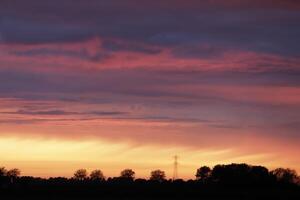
<point>50,158</point>
<point>112,85</point>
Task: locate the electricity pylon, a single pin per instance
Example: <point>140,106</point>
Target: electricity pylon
<point>175,170</point>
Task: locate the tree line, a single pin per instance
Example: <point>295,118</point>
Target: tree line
<point>234,181</point>
<point>126,174</point>
<point>220,173</point>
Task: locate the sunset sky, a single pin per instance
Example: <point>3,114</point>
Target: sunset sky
<point>113,84</point>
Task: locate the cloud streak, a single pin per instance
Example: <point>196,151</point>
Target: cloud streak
<point>184,73</point>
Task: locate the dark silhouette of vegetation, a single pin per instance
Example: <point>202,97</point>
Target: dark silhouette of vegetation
<point>203,173</point>
<point>128,174</point>
<point>158,175</point>
<point>240,174</point>
<point>233,181</point>
<point>285,175</point>
<point>13,174</point>
<point>2,171</point>
<point>81,174</point>
<point>97,175</point>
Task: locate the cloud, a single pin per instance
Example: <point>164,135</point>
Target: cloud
<point>268,26</point>
<point>47,112</point>
<point>114,45</point>
<point>62,112</point>
<point>105,113</point>
<point>198,52</point>
<point>184,73</point>
<point>152,62</point>
<point>42,52</point>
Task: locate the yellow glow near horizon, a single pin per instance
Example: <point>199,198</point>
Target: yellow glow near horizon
<point>40,157</point>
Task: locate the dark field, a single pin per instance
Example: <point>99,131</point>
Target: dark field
<point>142,189</point>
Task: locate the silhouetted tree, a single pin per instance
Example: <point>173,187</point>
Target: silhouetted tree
<point>3,171</point>
<point>2,175</point>
<point>13,174</point>
<point>233,173</point>
<point>97,175</point>
<point>158,175</point>
<point>298,180</point>
<point>80,174</point>
<point>285,175</point>
<point>203,173</point>
<point>259,175</point>
<point>127,174</point>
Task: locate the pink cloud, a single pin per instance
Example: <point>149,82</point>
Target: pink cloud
<point>91,55</point>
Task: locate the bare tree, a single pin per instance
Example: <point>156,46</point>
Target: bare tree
<point>80,174</point>
<point>158,175</point>
<point>97,175</point>
<point>127,174</point>
<point>13,174</point>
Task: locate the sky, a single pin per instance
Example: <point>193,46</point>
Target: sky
<point>129,84</point>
